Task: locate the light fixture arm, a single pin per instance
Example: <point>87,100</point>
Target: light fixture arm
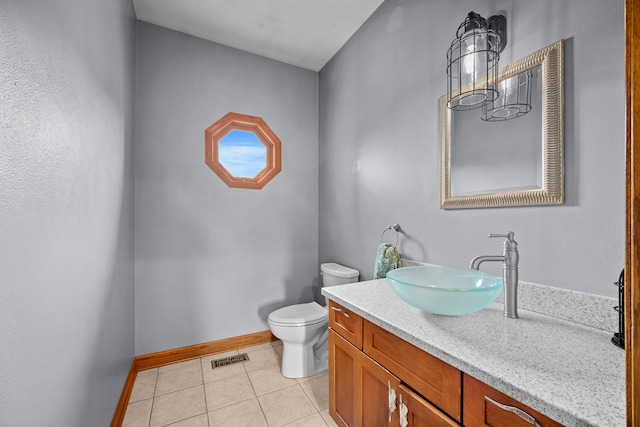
<point>498,23</point>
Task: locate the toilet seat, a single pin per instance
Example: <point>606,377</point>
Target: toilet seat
<point>299,315</point>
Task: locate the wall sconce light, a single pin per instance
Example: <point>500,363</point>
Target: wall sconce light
<point>472,61</point>
<point>514,99</point>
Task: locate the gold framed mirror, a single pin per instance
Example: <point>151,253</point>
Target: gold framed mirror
<point>469,162</point>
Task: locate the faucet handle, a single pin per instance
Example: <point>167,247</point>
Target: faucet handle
<point>509,235</point>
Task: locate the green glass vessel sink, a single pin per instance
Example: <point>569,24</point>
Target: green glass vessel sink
<point>445,290</point>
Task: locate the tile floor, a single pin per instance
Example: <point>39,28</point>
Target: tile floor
<point>245,394</point>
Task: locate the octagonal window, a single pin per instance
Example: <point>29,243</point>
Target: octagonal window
<point>243,151</point>
<point>242,154</point>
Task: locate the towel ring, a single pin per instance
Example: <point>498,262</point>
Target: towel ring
<point>394,227</point>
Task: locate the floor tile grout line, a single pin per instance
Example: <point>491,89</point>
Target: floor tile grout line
<point>178,389</point>
<point>308,398</point>
<point>184,419</point>
<point>276,391</point>
<point>204,390</point>
<point>153,399</point>
<point>264,415</point>
<point>231,404</point>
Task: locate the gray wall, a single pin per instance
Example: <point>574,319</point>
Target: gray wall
<point>212,261</point>
<point>66,210</point>
<point>379,146</point>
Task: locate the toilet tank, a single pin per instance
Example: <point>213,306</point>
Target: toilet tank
<point>336,274</point>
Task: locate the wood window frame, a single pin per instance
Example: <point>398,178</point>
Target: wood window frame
<point>257,126</point>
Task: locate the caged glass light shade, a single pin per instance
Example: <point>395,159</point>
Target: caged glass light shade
<point>472,63</point>
<point>514,100</point>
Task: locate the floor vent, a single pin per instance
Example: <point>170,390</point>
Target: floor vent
<point>229,360</point>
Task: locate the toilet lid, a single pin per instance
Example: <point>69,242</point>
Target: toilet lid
<point>300,314</point>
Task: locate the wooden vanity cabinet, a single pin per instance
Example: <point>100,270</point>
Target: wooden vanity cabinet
<point>365,361</point>
<point>359,386</point>
<point>485,406</point>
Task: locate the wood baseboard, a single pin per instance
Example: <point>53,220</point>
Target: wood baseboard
<point>168,357</point>
<point>118,415</point>
<point>162,358</point>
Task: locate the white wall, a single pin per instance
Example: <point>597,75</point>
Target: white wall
<point>66,210</point>
<point>211,261</point>
<point>379,146</point>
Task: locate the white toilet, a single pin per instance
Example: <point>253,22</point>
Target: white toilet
<point>303,328</point>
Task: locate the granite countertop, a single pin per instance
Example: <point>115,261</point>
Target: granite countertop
<point>570,372</point>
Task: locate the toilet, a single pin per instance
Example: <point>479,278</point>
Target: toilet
<point>303,328</point>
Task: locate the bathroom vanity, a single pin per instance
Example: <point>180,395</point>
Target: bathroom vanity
<point>388,359</point>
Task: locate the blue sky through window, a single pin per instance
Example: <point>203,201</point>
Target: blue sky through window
<point>242,154</point>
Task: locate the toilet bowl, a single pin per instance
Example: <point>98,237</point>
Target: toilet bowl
<point>303,328</point>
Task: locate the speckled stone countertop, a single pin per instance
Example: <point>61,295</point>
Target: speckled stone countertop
<point>570,372</point>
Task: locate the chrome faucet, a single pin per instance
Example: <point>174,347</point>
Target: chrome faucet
<point>509,258</point>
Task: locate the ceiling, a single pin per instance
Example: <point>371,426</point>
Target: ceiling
<point>304,33</point>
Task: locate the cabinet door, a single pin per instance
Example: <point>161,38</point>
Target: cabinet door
<point>345,393</point>
<point>485,406</point>
<point>419,412</point>
<point>376,385</point>
<point>359,388</point>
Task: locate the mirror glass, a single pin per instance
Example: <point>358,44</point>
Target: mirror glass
<point>488,157</point>
<point>515,162</point>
